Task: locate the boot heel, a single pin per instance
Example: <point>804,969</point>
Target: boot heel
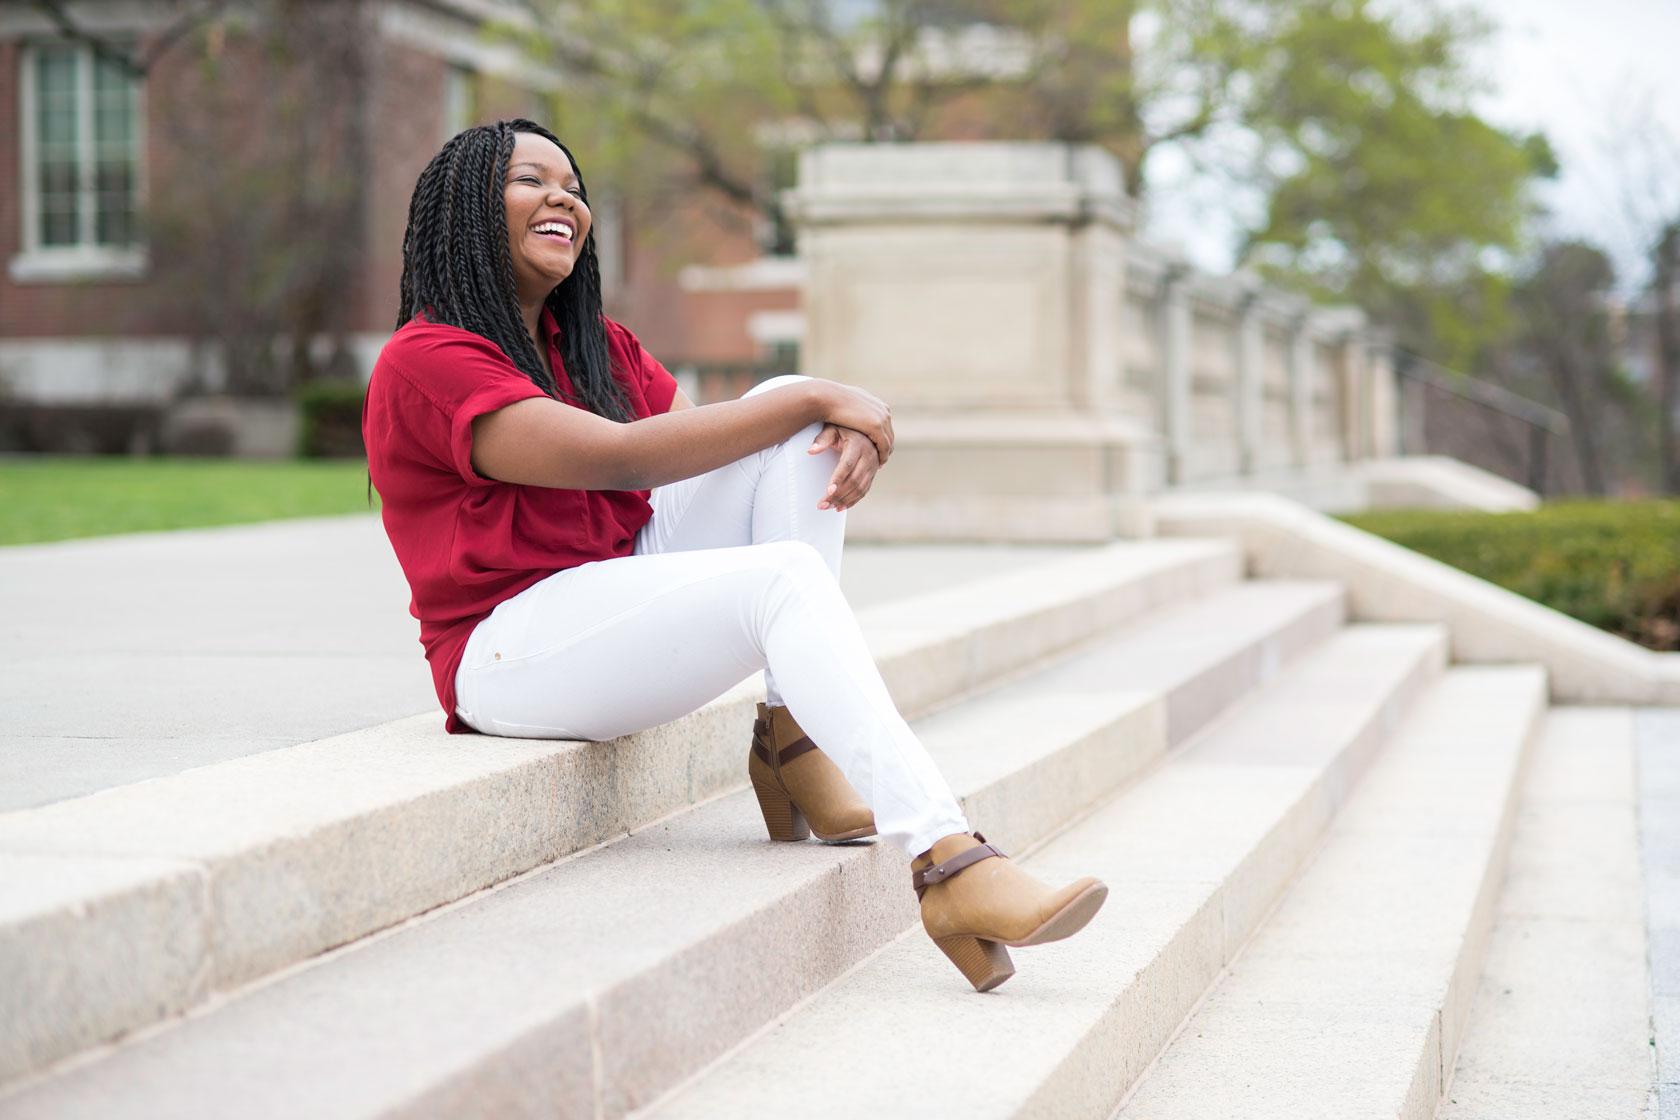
<point>986,964</point>
<point>781,816</point>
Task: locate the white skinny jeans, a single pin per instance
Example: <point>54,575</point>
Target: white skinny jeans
<point>737,571</point>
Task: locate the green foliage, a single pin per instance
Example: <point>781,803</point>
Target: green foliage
<point>56,497</point>
<point>1383,187</point>
<point>665,95</point>
<point>331,419</point>
<point>1389,191</point>
<point>1615,565</point>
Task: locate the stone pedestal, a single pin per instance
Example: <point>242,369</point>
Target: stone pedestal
<point>976,288</point>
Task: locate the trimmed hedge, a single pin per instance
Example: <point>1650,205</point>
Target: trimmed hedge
<point>1615,565</point>
<point>331,419</point>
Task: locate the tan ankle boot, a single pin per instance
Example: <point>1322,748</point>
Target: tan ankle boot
<point>975,900</point>
<point>800,789</point>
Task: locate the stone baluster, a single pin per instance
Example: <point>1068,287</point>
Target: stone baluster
<point>1300,391</point>
<point>1175,370</point>
<point>1250,375</point>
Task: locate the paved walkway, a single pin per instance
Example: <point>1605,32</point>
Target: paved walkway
<point>1657,732</point>
<point>126,658</point>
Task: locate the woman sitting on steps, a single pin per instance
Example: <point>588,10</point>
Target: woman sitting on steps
<point>591,555</point>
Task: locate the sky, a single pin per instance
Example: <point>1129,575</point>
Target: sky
<point>1598,77</point>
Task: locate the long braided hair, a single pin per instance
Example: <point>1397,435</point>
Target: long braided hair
<point>456,262</point>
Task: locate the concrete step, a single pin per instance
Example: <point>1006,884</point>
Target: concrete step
<point>133,904</point>
<point>1352,999</point>
<point>1572,893</point>
<point>596,984</point>
<point>1193,855</point>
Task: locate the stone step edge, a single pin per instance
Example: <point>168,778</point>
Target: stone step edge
<point>167,869</point>
<point>1287,539</point>
<point>1137,1019</point>
<point>1469,913</point>
<point>1309,614</point>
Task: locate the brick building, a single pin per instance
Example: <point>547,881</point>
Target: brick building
<point>95,310</point>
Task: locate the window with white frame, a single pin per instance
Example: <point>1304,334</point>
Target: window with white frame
<point>81,132</point>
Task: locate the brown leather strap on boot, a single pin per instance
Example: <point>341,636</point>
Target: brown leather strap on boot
<point>761,737</point>
<point>938,873</point>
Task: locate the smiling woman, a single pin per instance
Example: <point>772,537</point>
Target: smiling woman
<point>590,555</point>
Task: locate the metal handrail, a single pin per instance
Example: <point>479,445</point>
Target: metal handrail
<point>1542,420</point>
<point>1496,397</point>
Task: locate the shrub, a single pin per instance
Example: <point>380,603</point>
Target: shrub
<point>1615,565</point>
<point>331,419</point>
<point>80,429</point>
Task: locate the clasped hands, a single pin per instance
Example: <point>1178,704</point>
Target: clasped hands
<point>853,475</point>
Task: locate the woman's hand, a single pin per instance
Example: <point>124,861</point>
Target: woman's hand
<point>847,406</point>
<point>856,470</point>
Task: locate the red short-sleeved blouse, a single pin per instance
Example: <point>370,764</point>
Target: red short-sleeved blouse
<point>466,542</point>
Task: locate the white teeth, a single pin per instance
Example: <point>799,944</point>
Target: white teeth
<point>555,227</point>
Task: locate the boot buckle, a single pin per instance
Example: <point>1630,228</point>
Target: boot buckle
<point>927,877</point>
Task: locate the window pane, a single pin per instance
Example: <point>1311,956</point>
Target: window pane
<point>114,183</point>
<point>59,200</point>
<point>56,138</point>
<point>58,176</point>
<point>115,135</point>
<point>58,221</point>
<point>55,72</point>
<point>113,127</point>
<point>116,226</point>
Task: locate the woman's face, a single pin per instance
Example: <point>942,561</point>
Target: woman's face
<point>542,188</point>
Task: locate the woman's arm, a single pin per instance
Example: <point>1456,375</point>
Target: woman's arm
<point>854,473</point>
<point>542,442</point>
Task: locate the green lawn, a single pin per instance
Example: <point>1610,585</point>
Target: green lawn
<point>56,497</point>
<point>1614,564</point>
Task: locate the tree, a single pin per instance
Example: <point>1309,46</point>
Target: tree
<point>1564,339</point>
<point>257,234</point>
<point>1382,186</point>
<point>1665,292</point>
<point>1385,189</point>
<point>138,63</point>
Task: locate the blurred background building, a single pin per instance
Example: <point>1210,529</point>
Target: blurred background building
<point>210,195</point>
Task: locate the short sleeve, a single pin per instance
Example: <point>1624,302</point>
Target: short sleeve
<point>461,376</point>
<point>488,399</point>
<point>659,388</point>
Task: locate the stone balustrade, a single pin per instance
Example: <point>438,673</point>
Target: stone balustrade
<point>1047,370</point>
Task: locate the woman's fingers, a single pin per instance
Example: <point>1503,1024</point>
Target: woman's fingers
<point>854,475</point>
<point>839,483</point>
<point>858,484</point>
<point>828,437</point>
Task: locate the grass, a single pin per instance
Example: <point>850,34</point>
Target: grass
<point>1613,564</point>
<point>58,497</point>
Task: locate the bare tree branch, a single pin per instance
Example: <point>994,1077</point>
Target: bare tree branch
<point>136,67</point>
<point>182,26</point>
<point>102,47</point>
